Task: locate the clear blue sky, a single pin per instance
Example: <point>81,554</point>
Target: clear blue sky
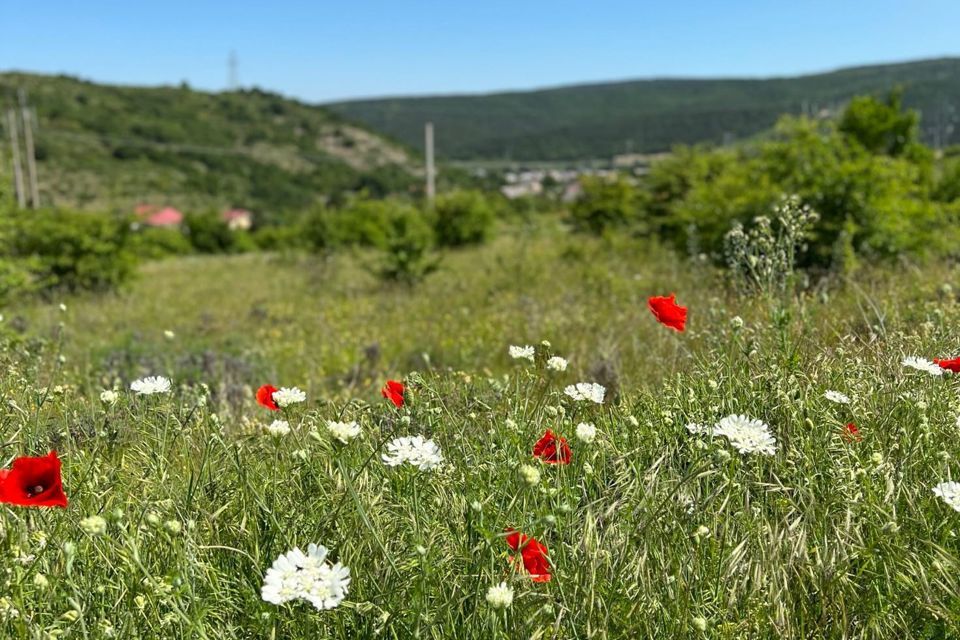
<point>320,50</point>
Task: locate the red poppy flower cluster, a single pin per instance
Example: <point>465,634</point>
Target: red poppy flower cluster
<point>265,397</point>
<point>667,312</point>
<point>948,364</point>
<point>552,449</point>
<point>393,391</point>
<point>533,554</point>
<point>33,482</point>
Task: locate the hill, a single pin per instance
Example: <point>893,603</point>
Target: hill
<point>600,120</point>
<point>102,146</point>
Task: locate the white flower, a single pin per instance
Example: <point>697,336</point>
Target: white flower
<point>525,353</point>
<point>697,429</point>
<point>151,385</point>
<point>414,450</point>
<point>530,474</point>
<point>286,396</point>
<point>747,435</point>
<point>500,596</point>
<point>343,431</point>
<point>836,396</point>
<point>922,364</point>
<point>556,363</point>
<point>109,396</point>
<point>94,525</point>
<point>586,391</point>
<point>949,492</point>
<point>169,335</point>
<point>278,428</point>
<point>306,576</point>
<point>586,432</point>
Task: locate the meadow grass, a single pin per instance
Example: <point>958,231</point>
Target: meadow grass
<point>652,531</point>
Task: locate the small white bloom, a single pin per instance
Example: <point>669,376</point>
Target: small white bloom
<point>633,421</point>
<point>922,364</point>
<point>530,474</point>
<point>109,396</point>
<point>278,428</point>
<point>286,396</point>
<point>949,492</point>
<point>94,525</point>
<point>836,396</point>
<point>556,363</point>
<point>150,385</point>
<point>63,307</point>
<point>306,576</point>
<point>522,353</point>
<point>415,450</point>
<point>169,335</point>
<point>747,435</point>
<point>586,432</point>
<point>697,429</point>
<point>343,431</point>
<point>586,391</point>
<point>500,596</point>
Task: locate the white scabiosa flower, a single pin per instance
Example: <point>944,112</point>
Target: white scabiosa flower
<point>556,363</point>
<point>530,474</point>
<point>343,431</point>
<point>949,492</point>
<point>308,576</point>
<point>747,435</point>
<point>836,396</point>
<point>586,432</point>
<point>586,391</point>
<point>286,396</point>
<point>525,352</point>
<point>415,450</point>
<point>278,428</point>
<point>109,396</point>
<point>922,364</point>
<point>500,596</point>
<point>150,385</point>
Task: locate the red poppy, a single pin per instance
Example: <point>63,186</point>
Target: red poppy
<point>265,397</point>
<point>33,482</point>
<point>552,449</point>
<point>533,554</point>
<point>393,391</point>
<point>949,365</point>
<point>851,433</point>
<point>668,312</point>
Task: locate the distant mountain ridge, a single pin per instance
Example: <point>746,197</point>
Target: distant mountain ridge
<point>603,119</point>
<point>113,147</point>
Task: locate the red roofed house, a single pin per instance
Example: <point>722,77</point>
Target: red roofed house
<point>158,217</point>
<point>238,219</point>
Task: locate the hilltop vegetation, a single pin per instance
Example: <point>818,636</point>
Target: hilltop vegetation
<point>600,120</point>
<point>110,147</point>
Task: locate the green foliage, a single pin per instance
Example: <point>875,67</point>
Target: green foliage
<point>462,218</point>
<point>56,250</point>
<point>605,204</point>
<point>209,233</point>
<point>881,127</point>
<point>405,246</point>
<point>152,243</point>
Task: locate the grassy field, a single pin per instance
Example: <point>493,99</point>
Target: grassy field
<point>651,530</point>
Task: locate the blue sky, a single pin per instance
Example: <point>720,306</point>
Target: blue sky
<point>320,50</point>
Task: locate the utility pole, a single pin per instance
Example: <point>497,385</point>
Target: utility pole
<point>431,172</point>
<point>31,155</point>
<point>232,76</point>
<point>15,147</point>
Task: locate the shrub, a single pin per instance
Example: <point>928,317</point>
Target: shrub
<point>406,246</point>
<point>605,204</point>
<point>153,243</point>
<point>209,233</point>
<point>68,250</point>
<point>462,218</point>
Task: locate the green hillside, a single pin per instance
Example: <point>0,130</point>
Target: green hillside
<point>600,120</point>
<point>104,146</point>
